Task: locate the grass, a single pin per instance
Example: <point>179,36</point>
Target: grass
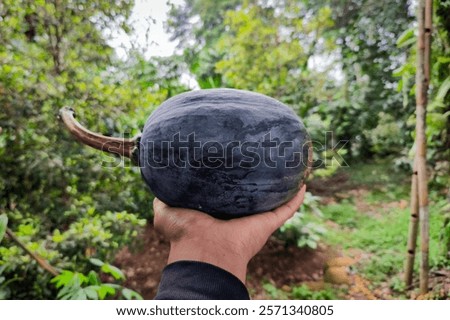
<point>374,219</point>
<point>345,214</point>
<point>383,231</point>
<point>302,292</point>
<point>380,172</point>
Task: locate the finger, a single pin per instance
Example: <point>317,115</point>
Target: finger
<point>159,206</point>
<point>163,208</point>
<point>167,220</point>
<point>175,222</point>
<point>270,221</point>
<point>280,215</point>
<point>287,210</point>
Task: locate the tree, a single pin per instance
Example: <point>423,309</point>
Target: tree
<point>65,201</point>
<point>197,25</point>
<point>267,49</point>
<point>271,47</point>
<point>368,111</point>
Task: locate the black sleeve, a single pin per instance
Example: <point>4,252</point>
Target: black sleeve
<point>193,280</point>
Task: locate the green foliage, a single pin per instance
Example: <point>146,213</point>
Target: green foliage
<point>443,259</point>
<point>330,162</point>
<point>398,284</point>
<point>78,286</point>
<point>108,269</point>
<point>259,54</point>
<point>438,109</point>
<point>344,214</point>
<point>197,25</point>
<point>3,225</point>
<point>381,268</point>
<point>384,137</point>
<point>382,233</point>
<point>304,229</point>
<point>66,201</point>
<point>274,293</point>
<point>383,176</point>
<point>302,292</point>
<point>267,49</point>
<point>369,54</point>
<point>332,61</point>
<point>103,233</point>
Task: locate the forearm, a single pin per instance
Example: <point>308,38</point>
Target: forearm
<point>193,280</point>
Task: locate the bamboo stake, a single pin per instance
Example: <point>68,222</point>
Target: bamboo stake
<point>422,81</point>
<point>413,228</point>
<point>42,263</point>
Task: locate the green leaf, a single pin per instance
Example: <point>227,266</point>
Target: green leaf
<point>406,38</point>
<point>3,225</point>
<point>312,244</point>
<point>4,293</point>
<point>67,292</point>
<point>443,59</point>
<point>93,278</point>
<point>63,279</point>
<point>399,71</point>
<point>105,290</point>
<point>96,262</point>
<point>129,294</point>
<point>92,292</point>
<point>113,285</point>
<point>79,295</point>
<point>114,271</point>
<point>442,92</point>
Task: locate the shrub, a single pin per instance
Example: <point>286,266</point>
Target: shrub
<point>304,229</point>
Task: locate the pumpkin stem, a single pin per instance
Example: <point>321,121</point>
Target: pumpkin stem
<point>121,146</point>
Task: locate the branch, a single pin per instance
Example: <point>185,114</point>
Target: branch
<point>41,261</point>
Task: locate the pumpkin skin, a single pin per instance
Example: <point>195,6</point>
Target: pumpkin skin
<point>182,162</point>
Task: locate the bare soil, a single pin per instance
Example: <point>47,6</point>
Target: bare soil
<point>277,264</point>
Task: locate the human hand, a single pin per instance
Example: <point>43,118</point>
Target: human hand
<point>228,244</point>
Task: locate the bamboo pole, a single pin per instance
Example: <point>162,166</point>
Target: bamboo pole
<point>413,228</point>
<point>424,18</point>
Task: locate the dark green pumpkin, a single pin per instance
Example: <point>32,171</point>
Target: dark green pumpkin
<point>218,172</point>
<point>226,152</point>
